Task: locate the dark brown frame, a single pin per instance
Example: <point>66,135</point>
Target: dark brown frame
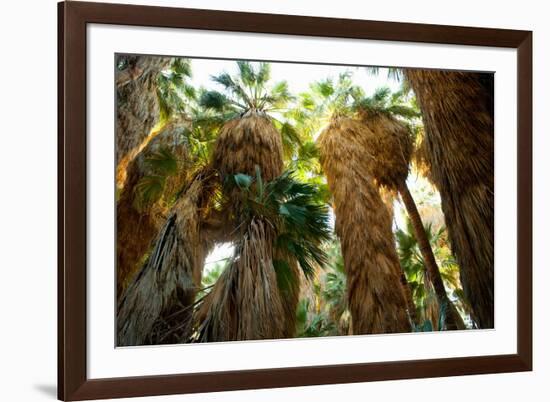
<point>73,383</point>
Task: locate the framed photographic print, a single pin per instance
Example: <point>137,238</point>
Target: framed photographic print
<point>253,200</point>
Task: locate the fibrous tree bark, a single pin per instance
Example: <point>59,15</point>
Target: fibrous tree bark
<point>138,110</point>
<point>139,222</point>
<point>457,109</point>
<point>452,318</point>
<point>388,145</point>
<point>246,302</point>
<point>156,307</point>
<point>363,223</point>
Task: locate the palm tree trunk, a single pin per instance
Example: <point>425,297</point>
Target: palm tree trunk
<point>136,225</point>
<point>375,296</point>
<point>242,145</point>
<point>138,109</point>
<point>388,198</point>
<point>156,307</point>
<point>457,110</point>
<point>410,302</point>
<point>137,113</point>
<point>452,317</point>
<point>245,302</point>
<point>135,229</point>
<point>290,295</point>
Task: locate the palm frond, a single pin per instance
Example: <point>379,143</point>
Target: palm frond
<point>173,90</point>
<point>182,66</point>
<point>381,95</point>
<point>278,97</point>
<point>302,222</point>
<point>407,112</point>
<point>163,161</point>
<point>394,73</point>
<point>247,73</point>
<point>148,190</point>
<point>248,90</point>
<point>264,74</point>
<point>290,137</point>
<point>214,100</point>
<point>233,87</point>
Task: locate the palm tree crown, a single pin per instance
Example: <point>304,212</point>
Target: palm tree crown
<point>248,91</point>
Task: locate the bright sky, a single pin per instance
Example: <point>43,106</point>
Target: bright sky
<point>298,76</point>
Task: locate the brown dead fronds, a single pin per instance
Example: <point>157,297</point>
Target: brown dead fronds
<point>363,224</point>
<point>160,297</point>
<point>245,303</point>
<point>457,110</point>
<point>246,142</point>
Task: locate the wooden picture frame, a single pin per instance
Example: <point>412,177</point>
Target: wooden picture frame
<point>73,17</point>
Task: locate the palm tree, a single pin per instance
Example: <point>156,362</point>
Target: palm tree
<point>375,298</point>
<point>457,110</point>
<point>250,136</point>
<point>412,261</point>
<point>363,223</point>
<point>139,81</point>
<point>323,310</point>
<point>157,305</point>
<point>389,143</point>
<point>281,227</point>
<point>253,138</point>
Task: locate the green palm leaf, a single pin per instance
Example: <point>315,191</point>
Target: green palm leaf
<point>293,208</point>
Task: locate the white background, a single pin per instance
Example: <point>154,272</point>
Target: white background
<point>28,200</point>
